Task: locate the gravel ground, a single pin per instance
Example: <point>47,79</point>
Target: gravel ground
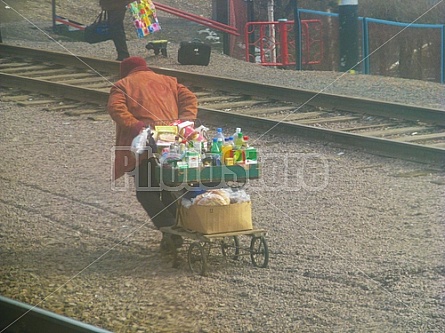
<point>356,241</point>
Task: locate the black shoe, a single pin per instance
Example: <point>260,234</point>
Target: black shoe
<point>173,239</point>
<point>177,240</point>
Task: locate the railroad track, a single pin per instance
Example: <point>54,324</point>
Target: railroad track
<point>21,317</point>
<point>79,86</point>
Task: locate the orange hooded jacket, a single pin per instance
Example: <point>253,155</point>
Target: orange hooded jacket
<point>141,98</point>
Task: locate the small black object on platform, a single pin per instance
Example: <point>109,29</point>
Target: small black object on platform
<point>158,46</point>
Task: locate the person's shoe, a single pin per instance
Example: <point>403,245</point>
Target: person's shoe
<point>166,238</point>
<point>177,240</point>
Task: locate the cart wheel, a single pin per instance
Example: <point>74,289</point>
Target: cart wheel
<point>230,247</point>
<point>259,252</point>
<point>197,259</point>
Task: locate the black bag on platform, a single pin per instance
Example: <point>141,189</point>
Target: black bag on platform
<point>99,30</point>
<point>194,52</point>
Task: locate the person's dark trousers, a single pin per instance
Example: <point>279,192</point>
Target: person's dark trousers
<point>117,31</point>
<point>162,212</point>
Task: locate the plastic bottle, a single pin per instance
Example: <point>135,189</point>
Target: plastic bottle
<point>220,137</point>
<point>226,150</point>
<point>215,149</point>
<point>235,135</point>
<point>246,141</point>
<point>174,147</point>
<point>238,141</point>
<point>215,152</point>
<point>182,148</point>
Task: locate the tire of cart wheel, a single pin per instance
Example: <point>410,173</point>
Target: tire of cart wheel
<point>230,248</point>
<point>259,251</point>
<point>197,259</point>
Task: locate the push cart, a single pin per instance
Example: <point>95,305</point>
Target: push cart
<point>200,243</point>
<point>229,243</point>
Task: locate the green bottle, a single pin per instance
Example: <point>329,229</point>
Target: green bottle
<point>239,141</point>
<point>215,147</point>
<point>215,151</point>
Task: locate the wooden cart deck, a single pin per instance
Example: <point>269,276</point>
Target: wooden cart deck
<point>175,230</point>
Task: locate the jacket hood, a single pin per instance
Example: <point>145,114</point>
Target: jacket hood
<point>132,64</point>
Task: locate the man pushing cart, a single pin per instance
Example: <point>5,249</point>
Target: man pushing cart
<point>173,161</point>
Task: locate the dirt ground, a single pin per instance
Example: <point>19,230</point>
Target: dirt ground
<point>356,241</point>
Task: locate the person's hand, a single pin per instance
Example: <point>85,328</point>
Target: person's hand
<point>137,128</point>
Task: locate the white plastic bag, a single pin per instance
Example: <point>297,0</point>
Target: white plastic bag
<point>140,142</point>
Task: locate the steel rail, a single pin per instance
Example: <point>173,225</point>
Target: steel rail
<point>55,89</point>
<point>374,145</point>
<point>408,151</point>
<point>345,103</point>
<point>20,317</point>
<point>67,59</point>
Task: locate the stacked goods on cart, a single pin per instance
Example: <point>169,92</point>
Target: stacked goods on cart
<point>182,145</point>
<point>216,211</point>
<point>230,150</point>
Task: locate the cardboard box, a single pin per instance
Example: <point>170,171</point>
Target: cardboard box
<point>216,219</point>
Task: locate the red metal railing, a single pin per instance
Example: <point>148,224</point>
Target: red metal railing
<point>71,24</point>
<point>198,19</point>
<point>273,40</point>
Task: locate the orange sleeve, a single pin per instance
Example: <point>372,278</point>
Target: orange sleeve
<point>118,110</point>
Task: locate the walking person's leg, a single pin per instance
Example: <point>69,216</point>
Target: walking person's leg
<point>149,195</point>
<point>117,30</point>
